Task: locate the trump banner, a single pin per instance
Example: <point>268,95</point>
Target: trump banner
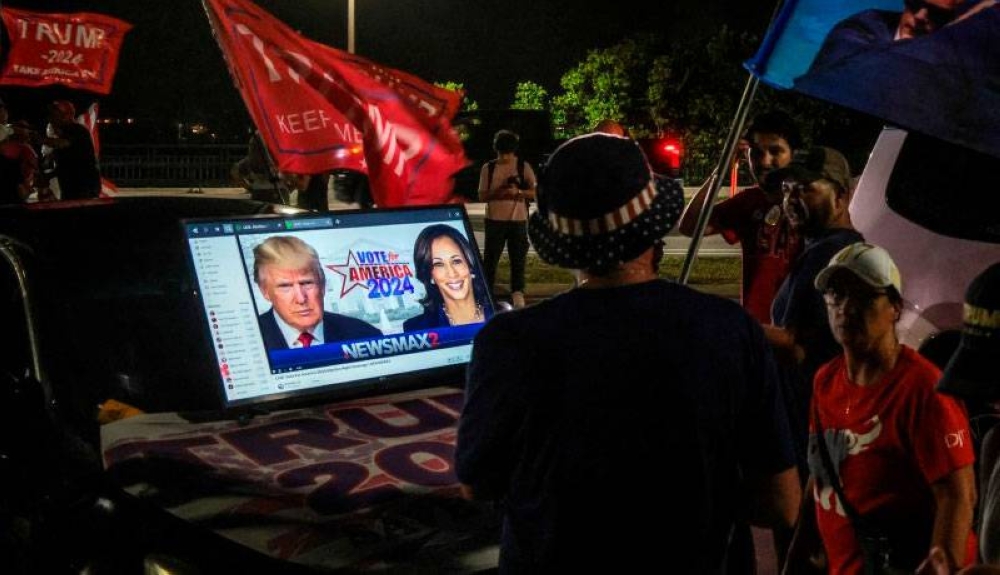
<point>319,108</point>
<point>930,66</point>
<point>338,487</point>
<point>75,50</point>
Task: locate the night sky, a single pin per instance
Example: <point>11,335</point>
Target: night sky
<point>172,69</point>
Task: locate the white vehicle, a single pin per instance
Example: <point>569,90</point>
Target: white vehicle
<point>933,206</point>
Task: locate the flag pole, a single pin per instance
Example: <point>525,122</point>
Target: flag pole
<point>735,129</point>
<point>350,26</point>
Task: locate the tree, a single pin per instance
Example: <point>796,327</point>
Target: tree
<point>609,83</point>
<point>687,89</point>
<point>530,96</point>
<point>468,104</point>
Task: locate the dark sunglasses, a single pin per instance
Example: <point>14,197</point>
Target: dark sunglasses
<point>937,15</point>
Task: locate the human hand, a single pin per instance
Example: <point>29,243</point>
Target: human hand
<point>935,564</point>
<point>466,492</point>
<point>742,149</point>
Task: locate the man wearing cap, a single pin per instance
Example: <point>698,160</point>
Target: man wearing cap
<point>973,374</point>
<point>572,403</point>
<point>73,149</point>
<point>816,188</point>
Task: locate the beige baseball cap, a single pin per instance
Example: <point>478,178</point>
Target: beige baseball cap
<point>870,263</point>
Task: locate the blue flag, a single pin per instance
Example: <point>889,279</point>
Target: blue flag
<point>931,66</point>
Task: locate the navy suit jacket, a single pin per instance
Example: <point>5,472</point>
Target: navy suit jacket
<point>857,33</point>
<point>431,317</point>
<point>336,327</point>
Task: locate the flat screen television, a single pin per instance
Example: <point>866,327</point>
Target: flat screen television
<point>313,306</point>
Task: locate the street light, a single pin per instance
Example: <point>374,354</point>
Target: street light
<point>350,26</point>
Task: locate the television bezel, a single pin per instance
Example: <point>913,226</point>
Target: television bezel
<point>444,375</point>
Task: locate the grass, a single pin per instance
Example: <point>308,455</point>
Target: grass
<point>706,271</point>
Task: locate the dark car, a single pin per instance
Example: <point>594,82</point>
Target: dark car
<point>97,305</point>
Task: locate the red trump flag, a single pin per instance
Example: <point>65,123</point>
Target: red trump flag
<point>76,50</point>
<point>318,107</point>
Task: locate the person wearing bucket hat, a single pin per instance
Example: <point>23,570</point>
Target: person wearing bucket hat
<point>618,369</point>
<point>601,205</point>
<point>973,374</point>
<point>897,448</point>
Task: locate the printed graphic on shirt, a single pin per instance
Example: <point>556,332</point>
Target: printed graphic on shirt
<point>840,443</point>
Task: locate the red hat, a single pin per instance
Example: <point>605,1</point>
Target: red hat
<point>64,107</point>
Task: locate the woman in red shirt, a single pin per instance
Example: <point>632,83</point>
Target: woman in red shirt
<point>900,451</point>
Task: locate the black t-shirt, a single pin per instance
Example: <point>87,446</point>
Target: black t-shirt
<point>76,164</point>
<point>573,403</point>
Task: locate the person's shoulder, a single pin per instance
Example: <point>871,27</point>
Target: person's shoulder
<point>680,292</point>
<point>339,317</point>
<point>832,242</point>
<point>751,195</point>
<point>426,319</point>
<point>826,372</point>
<point>347,322</point>
<point>522,323</point>
<point>697,308</point>
<point>742,206</point>
<point>920,371</point>
<point>873,17</point>
<point>872,25</point>
<point>727,314</point>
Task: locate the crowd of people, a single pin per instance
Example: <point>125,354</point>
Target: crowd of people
<point>802,412</point>
<point>797,410</point>
<point>32,161</point>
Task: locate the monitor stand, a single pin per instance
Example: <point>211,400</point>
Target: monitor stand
<point>241,416</point>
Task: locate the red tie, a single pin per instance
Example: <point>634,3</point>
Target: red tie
<point>306,339</point>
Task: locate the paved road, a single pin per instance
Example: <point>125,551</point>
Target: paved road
<point>676,245</point>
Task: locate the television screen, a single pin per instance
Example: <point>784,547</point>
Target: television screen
<point>338,303</point>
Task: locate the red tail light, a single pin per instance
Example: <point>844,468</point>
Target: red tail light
<point>665,155</point>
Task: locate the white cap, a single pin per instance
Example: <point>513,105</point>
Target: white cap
<point>870,263</point>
